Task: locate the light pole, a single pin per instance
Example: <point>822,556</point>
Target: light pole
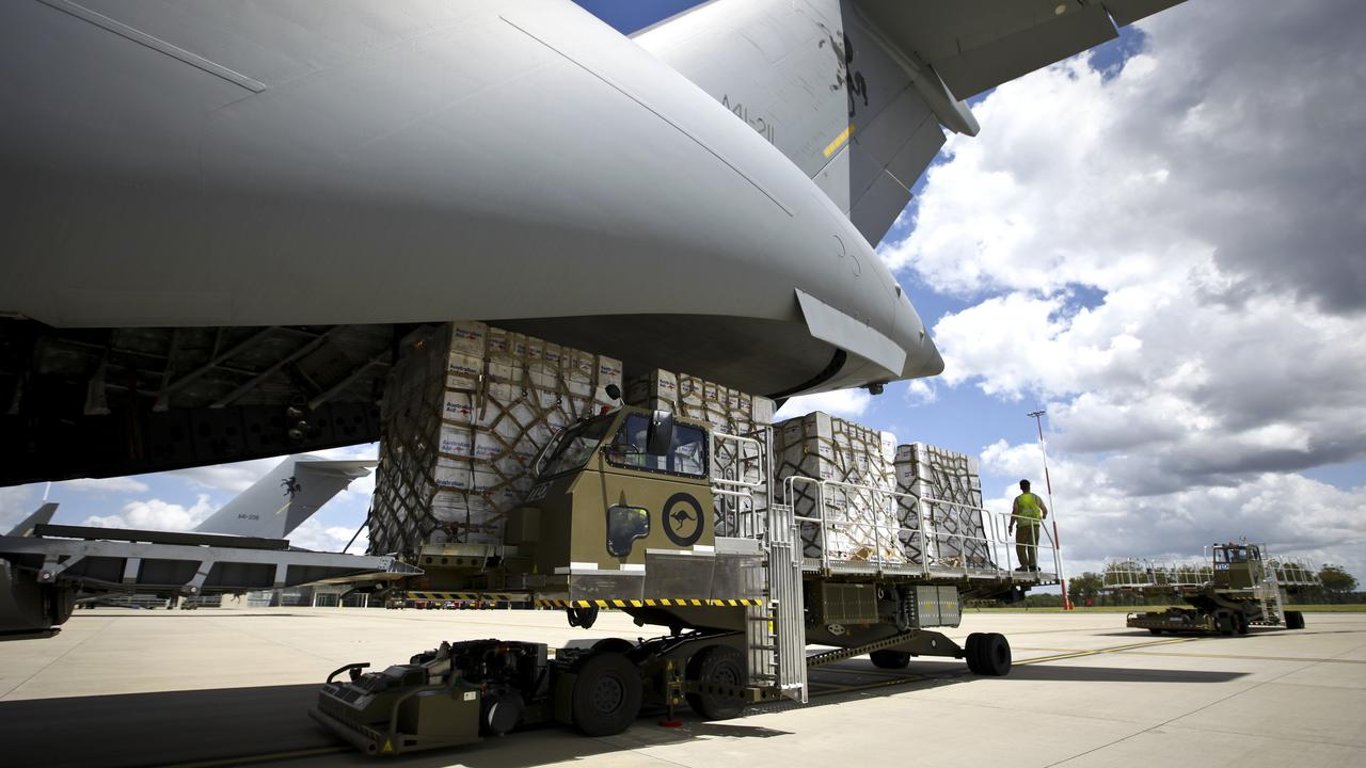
<point>1048,486</point>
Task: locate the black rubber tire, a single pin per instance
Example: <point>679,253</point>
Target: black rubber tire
<point>1240,623</point>
<point>972,652</point>
<point>606,695</point>
<point>722,665</point>
<point>1223,623</point>
<point>1294,620</point>
<point>890,659</point>
<point>582,617</point>
<point>613,645</point>
<point>994,655</point>
<point>1155,630</point>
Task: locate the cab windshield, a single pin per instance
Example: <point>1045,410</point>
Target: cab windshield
<point>572,448</point>
<point>1230,554</point>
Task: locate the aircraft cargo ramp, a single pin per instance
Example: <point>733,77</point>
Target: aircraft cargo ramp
<point>43,573</point>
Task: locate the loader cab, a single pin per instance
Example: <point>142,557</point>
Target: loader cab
<point>1237,566</point>
<point>654,443</point>
<point>612,487</point>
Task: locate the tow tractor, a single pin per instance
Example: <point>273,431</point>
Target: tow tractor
<point>615,520</point>
<point>1242,587</point>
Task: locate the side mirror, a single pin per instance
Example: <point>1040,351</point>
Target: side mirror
<point>660,437</point>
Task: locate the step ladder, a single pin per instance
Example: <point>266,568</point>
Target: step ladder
<point>777,629</point>
<point>1269,593</point>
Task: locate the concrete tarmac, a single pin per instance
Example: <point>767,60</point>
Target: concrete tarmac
<point>121,687</point>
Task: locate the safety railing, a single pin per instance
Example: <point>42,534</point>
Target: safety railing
<point>853,527</point>
<point>1292,572</point>
<point>775,630</point>
<point>1045,549</point>
<point>1134,573</point>
<point>740,484</point>
<point>1156,575</point>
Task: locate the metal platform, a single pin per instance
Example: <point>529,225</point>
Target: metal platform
<point>931,573</point>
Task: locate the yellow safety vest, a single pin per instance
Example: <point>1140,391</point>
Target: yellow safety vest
<point>1028,509</point>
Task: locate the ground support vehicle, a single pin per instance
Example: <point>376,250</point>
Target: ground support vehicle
<point>623,516</point>
<point>1240,589</point>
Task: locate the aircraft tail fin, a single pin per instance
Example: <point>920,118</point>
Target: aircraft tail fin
<point>857,93</point>
<point>42,516</point>
<point>285,497</point>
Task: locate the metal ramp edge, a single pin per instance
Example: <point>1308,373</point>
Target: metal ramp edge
<point>95,563</point>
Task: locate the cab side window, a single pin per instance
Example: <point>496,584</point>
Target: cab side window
<point>688,455</point>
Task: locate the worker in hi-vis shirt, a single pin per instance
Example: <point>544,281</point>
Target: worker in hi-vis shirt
<point>1028,511</point>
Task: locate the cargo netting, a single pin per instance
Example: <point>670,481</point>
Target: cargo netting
<point>467,409</point>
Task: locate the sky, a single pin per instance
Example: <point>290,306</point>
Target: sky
<point>1159,243</point>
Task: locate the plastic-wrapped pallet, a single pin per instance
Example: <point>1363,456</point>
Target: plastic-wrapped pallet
<point>861,521</point>
<point>466,411</point>
<point>953,534</point>
<point>729,412</point>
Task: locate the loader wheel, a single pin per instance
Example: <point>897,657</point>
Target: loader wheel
<point>1154,630</point>
<point>717,665</point>
<point>1294,620</point>
<point>1240,623</point>
<point>993,652</point>
<point>890,659</point>
<point>972,654</point>
<point>606,696</point>
<point>582,617</point>
<point>613,645</point>
<point>1223,622</point>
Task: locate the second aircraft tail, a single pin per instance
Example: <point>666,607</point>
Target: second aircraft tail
<point>285,497</point>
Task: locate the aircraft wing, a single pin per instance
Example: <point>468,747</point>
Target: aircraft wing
<point>858,93</point>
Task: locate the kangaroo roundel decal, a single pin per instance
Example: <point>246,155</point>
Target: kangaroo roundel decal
<point>683,521</point>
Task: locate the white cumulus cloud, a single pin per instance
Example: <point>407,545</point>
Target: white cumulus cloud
<point>155,515</point>
<point>1169,256</point>
<point>845,403</point>
<point>328,538</point>
<point>16,502</point>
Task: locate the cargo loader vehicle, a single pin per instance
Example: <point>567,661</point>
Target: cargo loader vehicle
<point>1240,588</point>
<point>690,530</point>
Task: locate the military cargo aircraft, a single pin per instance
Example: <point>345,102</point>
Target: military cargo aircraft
<point>220,215</point>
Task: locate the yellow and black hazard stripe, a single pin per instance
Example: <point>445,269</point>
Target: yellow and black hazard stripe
<point>510,597</point>
<point>652,603</point>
